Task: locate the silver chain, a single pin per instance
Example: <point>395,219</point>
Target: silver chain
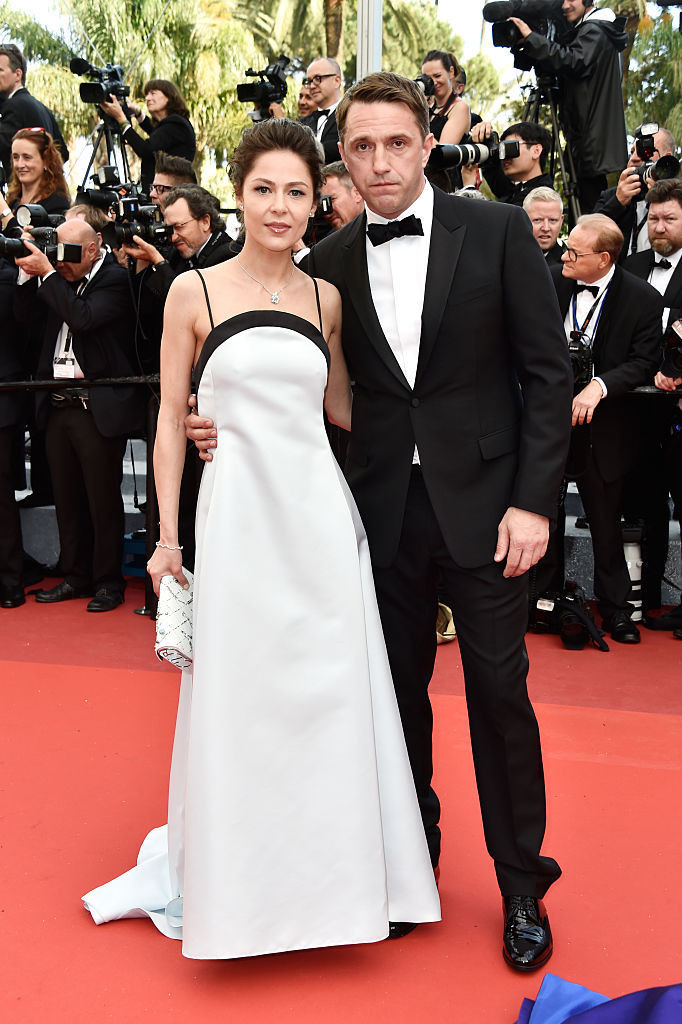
<point>274,296</point>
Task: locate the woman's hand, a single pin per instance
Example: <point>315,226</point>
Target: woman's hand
<point>166,562</point>
<point>114,109</point>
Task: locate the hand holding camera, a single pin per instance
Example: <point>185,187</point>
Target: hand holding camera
<point>629,186</point>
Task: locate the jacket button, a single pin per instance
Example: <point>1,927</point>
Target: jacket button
<point>414,403</point>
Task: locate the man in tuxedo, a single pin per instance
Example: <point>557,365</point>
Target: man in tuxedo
<point>545,209</point>
<point>347,203</point>
<point>660,470</point>
<point>626,202</point>
<point>461,408</point>
<point>324,80</point>
<point>616,319</point>
<point>88,328</point>
<point>20,109</point>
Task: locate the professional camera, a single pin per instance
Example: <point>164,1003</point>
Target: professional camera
<point>568,615</point>
<point>149,226</point>
<point>33,216</point>
<point>325,206</point>
<point>56,252</point>
<point>542,16</point>
<point>443,157</point>
<point>133,213</point>
<point>580,354</point>
<point>672,343</point>
<point>272,88</point>
<point>426,84</point>
<point>665,167</point>
<point>107,82</point>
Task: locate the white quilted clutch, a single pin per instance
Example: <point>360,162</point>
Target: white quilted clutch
<point>174,621</point>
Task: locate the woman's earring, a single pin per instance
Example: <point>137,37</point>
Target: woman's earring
<point>311,214</point>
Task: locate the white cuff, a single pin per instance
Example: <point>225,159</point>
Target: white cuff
<point>602,385</point>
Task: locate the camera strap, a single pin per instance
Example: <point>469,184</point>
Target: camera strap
<point>582,329</point>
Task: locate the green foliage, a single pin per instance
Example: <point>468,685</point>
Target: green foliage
<point>653,91</point>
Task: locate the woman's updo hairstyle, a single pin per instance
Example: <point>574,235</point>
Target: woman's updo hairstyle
<point>277,133</point>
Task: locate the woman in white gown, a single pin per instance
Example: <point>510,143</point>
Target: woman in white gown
<point>292,818</point>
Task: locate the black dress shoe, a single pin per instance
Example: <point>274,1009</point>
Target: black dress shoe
<point>11,597</point>
<point>669,620</point>
<point>105,600</point>
<point>527,938</point>
<point>622,628</point>
<point>396,929</point>
<point>62,592</point>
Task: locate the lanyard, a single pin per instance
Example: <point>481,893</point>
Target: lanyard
<point>599,299</point>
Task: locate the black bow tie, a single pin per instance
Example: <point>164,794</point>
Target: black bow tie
<point>380,233</point>
<point>323,113</point>
<point>591,288</point>
<point>663,264</point>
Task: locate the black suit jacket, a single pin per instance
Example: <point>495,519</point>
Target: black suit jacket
<point>490,408</point>
<point>554,254</point>
<point>329,138</point>
<point>24,111</point>
<point>625,351</point>
<point>624,216</point>
<point>101,320</point>
<point>11,363</point>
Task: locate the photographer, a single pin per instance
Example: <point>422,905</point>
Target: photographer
<point>511,180</point>
<point>37,177</point>
<point>612,322</point>
<point>626,203</point>
<point>19,108</point>
<point>450,118</point>
<point>346,201</point>
<point>169,128</point>
<point>588,64</point>
<point>85,312</point>
<point>11,417</point>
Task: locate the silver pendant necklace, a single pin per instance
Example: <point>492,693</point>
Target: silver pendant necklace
<point>274,296</point>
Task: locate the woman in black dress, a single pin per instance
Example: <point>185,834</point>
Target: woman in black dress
<point>168,126</point>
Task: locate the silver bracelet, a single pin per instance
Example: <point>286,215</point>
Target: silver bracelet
<point>169,547</point>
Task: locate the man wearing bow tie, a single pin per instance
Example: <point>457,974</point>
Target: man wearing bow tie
<point>461,411</point>
<point>617,318</point>
<point>323,78</point>
<point>660,471</point>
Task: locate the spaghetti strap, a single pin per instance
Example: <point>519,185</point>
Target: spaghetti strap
<point>317,300</point>
<point>208,304</point>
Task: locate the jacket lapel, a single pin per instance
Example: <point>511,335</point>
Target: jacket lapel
<point>447,237</point>
<point>674,285</point>
<point>609,306</point>
<point>360,295</point>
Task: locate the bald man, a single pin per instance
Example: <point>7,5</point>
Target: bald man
<point>87,318</point>
<point>324,80</point>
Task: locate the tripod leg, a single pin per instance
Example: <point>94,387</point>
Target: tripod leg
<point>569,180</point>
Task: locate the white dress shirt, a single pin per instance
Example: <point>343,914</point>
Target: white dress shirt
<point>583,304</point>
<point>660,277</point>
<point>321,122</point>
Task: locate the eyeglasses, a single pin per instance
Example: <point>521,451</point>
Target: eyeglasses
<point>182,224</point>
<point>160,189</point>
<point>316,79</point>
<point>573,255</point>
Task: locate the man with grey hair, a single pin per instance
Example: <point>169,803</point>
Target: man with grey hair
<point>324,80</point>
<point>346,201</point>
<point>545,209</point>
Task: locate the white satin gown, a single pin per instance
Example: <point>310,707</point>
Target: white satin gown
<point>292,817</point>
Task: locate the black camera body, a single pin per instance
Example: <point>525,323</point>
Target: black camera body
<point>580,354</point>
<point>325,206</point>
<point>542,16</point>
<point>444,157</point>
<point>272,88</point>
<point>645,146</point>
<point>426,84</point>
<point>134,214</point>
<point>106,82</point>
<point>56,252</point>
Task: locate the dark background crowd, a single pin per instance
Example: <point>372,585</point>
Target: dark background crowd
<point>86,304</point>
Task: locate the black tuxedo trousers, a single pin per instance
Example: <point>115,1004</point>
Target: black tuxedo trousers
<point>489,414</point>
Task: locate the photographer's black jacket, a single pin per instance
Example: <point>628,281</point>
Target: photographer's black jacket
<point>24,111</point>
<point>173,135</point>
<point>510,191</point>
<point>588,64</point>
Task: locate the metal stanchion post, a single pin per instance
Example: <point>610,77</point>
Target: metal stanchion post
<point>152,509</point>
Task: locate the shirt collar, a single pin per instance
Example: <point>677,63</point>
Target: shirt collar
<point>674,257</point>
<point>422,207</point>
<point>602,282</point>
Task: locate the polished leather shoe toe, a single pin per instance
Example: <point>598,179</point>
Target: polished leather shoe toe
<point>396,929</point>
<point>622,629</point>
<point>11,597</point>
<point>105,600</point>
<point>62,592</point>
<point>527,939</point>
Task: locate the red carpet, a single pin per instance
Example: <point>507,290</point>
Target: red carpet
<point>84,768</point>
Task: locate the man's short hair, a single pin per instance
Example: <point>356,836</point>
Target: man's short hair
<point>663,191</point>
<point>608,236</point>
<point>175,167</point>
<point>200,201</point>
<point>669,142</point>
<point>16,59</point>
<point>533,134</point>
<point>330,60</point>
<point>92,215</point>
<point>385,87</point>
<point>542,194</point>
<point>338,170</point>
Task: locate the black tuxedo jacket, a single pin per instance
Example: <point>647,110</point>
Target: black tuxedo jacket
<point>329,138</point>
<point>101,320</point>
<point>554,254</point>
<point>626,351</point>
<point>24,111</point>
<point>490,408</point>
<point>641,263</point>
<point>11,362</point>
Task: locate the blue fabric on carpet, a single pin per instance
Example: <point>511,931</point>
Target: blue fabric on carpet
<point>563,1002</point>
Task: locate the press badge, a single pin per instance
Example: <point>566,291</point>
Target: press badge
<point>64,366</point>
